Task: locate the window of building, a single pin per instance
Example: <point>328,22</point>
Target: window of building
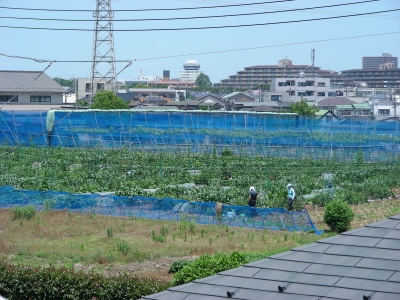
<point>276,97</point>
<point>309,83</point>
<point>321,94</point>
<point>100,86</point>
<point>309,93</point>
<point>383,112</point>
<point>321,83</point>
<point>301,94</point>
<point>40,98</point>
<point>6,98</point>
<point>331,94</point>
<point>88,86</point>
<point>301,84</point>
<point>281,83</point>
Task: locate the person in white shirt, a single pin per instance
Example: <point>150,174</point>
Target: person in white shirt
<point>291,196</point>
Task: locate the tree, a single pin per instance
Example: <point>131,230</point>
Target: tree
<point>338,216</point>
<point>108,100</point>
<point>203,80</point>
<point>302,108</point>
<point>63,82</point>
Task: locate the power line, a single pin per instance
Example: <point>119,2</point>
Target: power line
<point>191,18</point>
<point>207,27</point>
<point>204,53</point>
<point>148,9</point>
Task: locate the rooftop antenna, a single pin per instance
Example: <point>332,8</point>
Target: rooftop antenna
<point>312,59</point>
<point>103,63</point>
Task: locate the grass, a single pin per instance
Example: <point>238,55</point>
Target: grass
<point>67,239</point>
<point>59,237</point>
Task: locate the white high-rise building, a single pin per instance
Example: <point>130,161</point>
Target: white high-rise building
<point>191,71</point>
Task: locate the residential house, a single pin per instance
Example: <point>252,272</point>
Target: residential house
<point>207,102</point>
<point>354,110</point>
<point>28,88</point>
<point>331,102</point>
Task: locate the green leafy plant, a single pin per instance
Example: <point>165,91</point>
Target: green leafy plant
<point>124,247</point>
<point>110,232</point>
<point>207,265</point>
<point>338,216</point>
<point>23,212</point>
<point>178,265</point>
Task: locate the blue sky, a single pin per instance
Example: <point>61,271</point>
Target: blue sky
<point>149,49</point>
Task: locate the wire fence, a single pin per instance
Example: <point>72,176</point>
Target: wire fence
<point>160,209</point>
<point>255,134</point>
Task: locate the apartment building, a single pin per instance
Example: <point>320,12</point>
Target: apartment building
<point>263,74</point>
<point>373,62</point>
<point>310,88</point>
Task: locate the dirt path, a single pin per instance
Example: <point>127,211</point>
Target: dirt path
<point>157,269</point>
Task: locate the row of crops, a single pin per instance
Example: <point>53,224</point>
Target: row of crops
<point>196,176</point>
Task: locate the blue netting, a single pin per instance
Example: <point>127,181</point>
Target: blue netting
<point>245,133</point>
<point>161,209</point>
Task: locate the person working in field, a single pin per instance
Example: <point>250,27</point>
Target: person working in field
<point>253,196</point>
<point>291,196</point>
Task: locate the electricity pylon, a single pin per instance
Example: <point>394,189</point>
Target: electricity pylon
<point>103,63</point>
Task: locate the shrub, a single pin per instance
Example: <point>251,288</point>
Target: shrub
<point>207,265</point>
<point>338,216</point>
<point>22,212</point>
<point>23,282</point>
<point>178,265</point>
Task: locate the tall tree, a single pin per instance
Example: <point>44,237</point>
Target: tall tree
<point>302,108</point>
<point>63,82</point>
<point>203,81</point>
<point>108,100</point>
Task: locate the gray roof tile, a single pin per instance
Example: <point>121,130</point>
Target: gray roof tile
<point>349,272</point>
<point>395,277</point>
<point>364,252</point>
<point>28,81</point>
<point>373,285</point>
<point>389,244</point>
<point>380,264</point>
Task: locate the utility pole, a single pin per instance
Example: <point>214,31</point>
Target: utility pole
<point>103,62</point>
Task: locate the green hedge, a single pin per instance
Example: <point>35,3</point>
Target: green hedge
<point>207,265</point>
<point>23,282</point>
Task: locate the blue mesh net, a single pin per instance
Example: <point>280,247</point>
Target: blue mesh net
<point>161,209</point>
<point>247,133</point>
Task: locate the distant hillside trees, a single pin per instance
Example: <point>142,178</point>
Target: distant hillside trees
<point>63,82</point>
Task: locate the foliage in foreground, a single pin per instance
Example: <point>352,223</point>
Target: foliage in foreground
<point>338,216</point>
<point>207,265</point>
<point>22,282</point>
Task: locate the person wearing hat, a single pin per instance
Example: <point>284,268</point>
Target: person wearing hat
<point>253,196</point>
<point>291,196</point>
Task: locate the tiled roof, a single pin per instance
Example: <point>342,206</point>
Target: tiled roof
<point>362,106</point>
<point>24,81</point>
<point>333,101</point>
<point>358,264</point>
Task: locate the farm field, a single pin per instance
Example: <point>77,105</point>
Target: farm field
<point>197,176</point>
<point>110,245</point>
